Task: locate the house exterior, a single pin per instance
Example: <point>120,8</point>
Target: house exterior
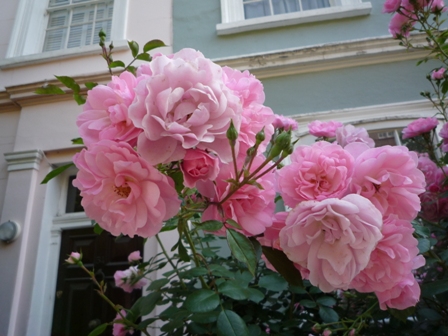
<point>317,59</point>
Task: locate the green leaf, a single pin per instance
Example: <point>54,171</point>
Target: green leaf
<point>193,272</point>
<point>116,64</point>
<point>170,326</point>
<point>328,315</point>
<point>429,314</point>
<point>146,304</point>
<point>234,224</point>
<point>297,289</point>
<point>170,224</point>
<point>283,265</point>
<point>134,48</point>
<point>242,249</point>
<point>97,229</point>
<point>153,44</point>
<point>435,287</point>
<point>144,57</point>
<point>254,295</point>
<point>423,245</point>
<point>98,330</point>
<point>210,225</point>
<point>444,86</point>
<point>402,315</point>
<point>145,323</point>
<point>205,318</point>
<point>183,254</point>
<point>157,284</point>
<point>233,290</point>
<point>178,179</point>
<point>231,324</point>
<point>90,85</point>
<point>254,330</point>
<point>50,89</point>
<point>308,303</point>
<point>421,230</point>
<point>79,98</point>
<point>201,301</point>
<point>56,172</point>
<point>327,301</point>
<point>273,282</point>
<point>77,141</point>
<point>69,82</point>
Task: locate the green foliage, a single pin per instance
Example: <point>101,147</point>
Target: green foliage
<point>56,172</point>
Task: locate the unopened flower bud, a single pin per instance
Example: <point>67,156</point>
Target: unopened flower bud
<point>259,137</point>
<point>74,258</point>
<point>232,133</point>
<point>282,142</point>
<point>316,328</point>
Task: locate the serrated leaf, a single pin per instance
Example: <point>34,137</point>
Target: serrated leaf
<point>308,303</point>
<point>204,318</point>
<point>421,230</point>
<point>170,224</point>
<point>254,295</point>
<point>233,290</point>
<point>201,301</point>
<point>55,173</point>
<point>231,324</point>
<point>97,229</point>
<point>116,64</point>
<point>98,330</point>
<point>69,82</point>
<point>50,89</point>
<point>434,287</point>
<point>273,282</point>
<point>178,179</point>
<point>234,224</point>
<point>144,57</point>
<point>328,315</point>
<point>134,48</point>
<point>327,301</point>
<point>193,272</point>
<point>242,249</point>
<point>210,225</point>
<point>77,141</point>
<point>81,100</point>
<point>153,44</point>
<point>183,254</point>
<point>146,304</point>
<point>90,85</point>
<point>283,265</point>
<point>145,323</point>
<point>157,284</point>
<point>423,245</point>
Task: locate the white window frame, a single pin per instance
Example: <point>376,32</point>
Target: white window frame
<point>233,21</point>
<point>31,22</point>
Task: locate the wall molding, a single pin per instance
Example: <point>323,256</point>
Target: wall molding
<point>24,160</point>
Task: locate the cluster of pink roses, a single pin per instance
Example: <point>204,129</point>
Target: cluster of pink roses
<point>405,15</point>
<point>352,206</point>
<point>351,203</point>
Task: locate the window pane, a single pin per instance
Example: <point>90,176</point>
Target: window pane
<point>55,3</point>
<point>55,39</point>
<point>315,4</point>
<point>253,9</point>
<point>285,6</point>
<point>73,198</point>
<point>384,137</point>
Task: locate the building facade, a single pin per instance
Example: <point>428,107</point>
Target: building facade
<point>317,59</point>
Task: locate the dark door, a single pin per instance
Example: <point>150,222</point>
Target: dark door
<point>78,308</point>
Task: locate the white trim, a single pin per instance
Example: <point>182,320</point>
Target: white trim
<point>24,160</point>
<point>28,33</point>
<point>281,20</point>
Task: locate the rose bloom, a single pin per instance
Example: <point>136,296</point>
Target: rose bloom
<point>271,235</point>
<point>73,258</point>
<point>404,295</point>
<point>198,165</point>
<point>434,207</point>
<point>134,256</point>
<point>183,104</point>
<point>285,123</point>
<point>444,135</point>
<point>438,74</point>
<point>332,238</point>
<point>401,25</point>
<point>324,128</point>
<point>393,259</point>
<point>120,329</point>
<point>105,113</point>
<point>316,172</point>
<point>391,6</point>
<point>349,133</point>
<point>251,207</point>
<point>244,85</point>
<point>130,279</point>
<point>388,176</point>
<point>419,127</point>
<point>122,192</point>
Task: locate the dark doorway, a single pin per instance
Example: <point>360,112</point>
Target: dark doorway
<point>78,308</point>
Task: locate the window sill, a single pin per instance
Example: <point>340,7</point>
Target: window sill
<point>282,20</point>
<point>19,61</point>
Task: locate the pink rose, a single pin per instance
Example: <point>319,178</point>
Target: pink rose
<point>388,176</point>
<point>105,113</point>
<point>285,123</point>
<point>134,256</point>
<point>404,295</point>
<point>130,279</point>
<point>327,332</point>
<point>271,235</point>
<point>437,5</point>
<point>198,165</point>
<point>183,104</point>
<point>324,129</point>
<point>428,167</point>
<point>438,74</point>
<point>392,260</point>
<point>349,134</point>
<point>122,192</point>
<point>419,127</point>
<point>73,258</point>
<point>251,207</point>
<point>444,135</point>
<point>316,172</point>
<point>120,329</point>
<point>332,238</point>
<point>434,207</point>
<point>401,25</point>
<point>244,85</point>
<point>391,6</point>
